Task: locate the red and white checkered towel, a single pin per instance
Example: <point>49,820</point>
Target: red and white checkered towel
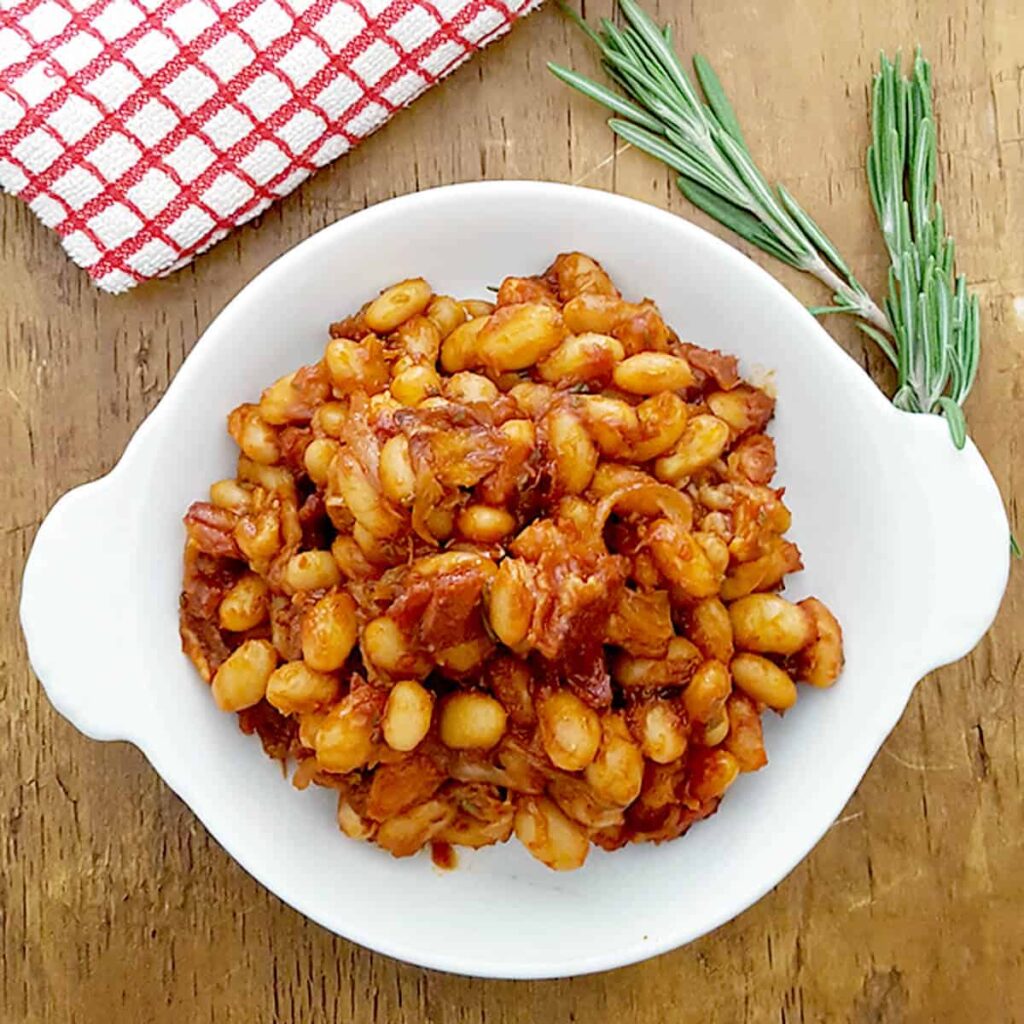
<point>143,131</point>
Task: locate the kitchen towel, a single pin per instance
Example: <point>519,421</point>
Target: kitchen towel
<point>143,131</point>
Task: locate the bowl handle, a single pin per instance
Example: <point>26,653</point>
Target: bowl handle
<point>72,609</point>
<point>964,540</point>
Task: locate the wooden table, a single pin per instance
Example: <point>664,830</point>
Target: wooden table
<point>116,906</point>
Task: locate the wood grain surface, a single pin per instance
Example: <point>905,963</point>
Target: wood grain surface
<point>115,904</point>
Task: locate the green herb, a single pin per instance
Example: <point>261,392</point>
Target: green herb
<point>936,324</point>
<point>930,327</point>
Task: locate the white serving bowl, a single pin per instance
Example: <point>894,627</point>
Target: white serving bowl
<point>903,537</point>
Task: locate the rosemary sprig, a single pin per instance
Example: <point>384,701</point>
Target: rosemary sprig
<point>666,117</point>
<point>936,324</point>
<point>930,328</point>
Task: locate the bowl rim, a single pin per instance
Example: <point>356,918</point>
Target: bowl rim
<point>277,271</point>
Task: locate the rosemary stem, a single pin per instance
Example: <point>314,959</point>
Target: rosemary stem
<point>865,306</point>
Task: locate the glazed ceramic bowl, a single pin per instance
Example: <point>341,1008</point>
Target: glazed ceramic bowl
<point>904,537</point>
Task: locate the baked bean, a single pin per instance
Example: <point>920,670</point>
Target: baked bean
<point>259,536</point>
<point>317,459</point>
<point>276,479</point>
<point>231,495</point>
<point>617,771</point>
<point>712,772</point>
<point>311,570</point>
<point>460,350</point>
<point>610,477</point>
<point>578,274</point>
<point>763,680</point>
<point>383,404</point>
<point>745,739</point>
<point>682,561</point>
<point>594,312</point>
<point>329,632</point>
<point>581,357</point>
<point>643,330</point>
<point>648,373</point>
<point>244,606</point>
<point>419,340</point>
<point>662,420</point>
<point>470,720</point>
<point>468,828</point>
<point>256,437</point>
<point>397,304</point>
<point>446,314</point>
<point>414,384</point>
<point>612,423</point>
<point>440,522</point>
<point>435,404</point>
<point>344,741</point>
<point>675,669</point>
<point>581,804</point>
<point>351,822</point>
<point>710,628</point>
<point>704,699</point>
<point>533,399</point>
<point>389,649</point>
<point>569,730</point>
<point>745,409</point>
<point>716,730</point>
<point>703,441</point>
<point>406,833</point>
<point>278,401</point>
<point>821,661</point>
<point>651,500</point>
<point>761,573</point>
<point>463,659</point>
<point>579,512</point>
<point>510,680</point>
<point>716,549</point>
<point>362,496</point>
<point>470,387</point>
<point>407,715</point>
<point>397,477</point>
<point>241,681</point>
<point>329,419</point>
<point>514,290</point>
<point>350,558</point>
<point>309,726</point>
<point>572,452</point>
<point>510,602</point>
<point>550,835</point>
<point>515,337</point>
<point>485,524</point>
<point>453,561</point>
<point>356,365</point>
<point>769,624</point>
<point>476,307</point>
<point>661,732</point>
<point>519,432</point>
<point>295,688</point>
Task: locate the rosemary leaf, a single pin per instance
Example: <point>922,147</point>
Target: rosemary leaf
<point>880,340</point>
<point>955,419</point>
<point>604,96</point>
<point>735,219</point>
<point>717,100</point>
<point>816,235</point>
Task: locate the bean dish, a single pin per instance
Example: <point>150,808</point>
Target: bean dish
<point>510,567</point>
